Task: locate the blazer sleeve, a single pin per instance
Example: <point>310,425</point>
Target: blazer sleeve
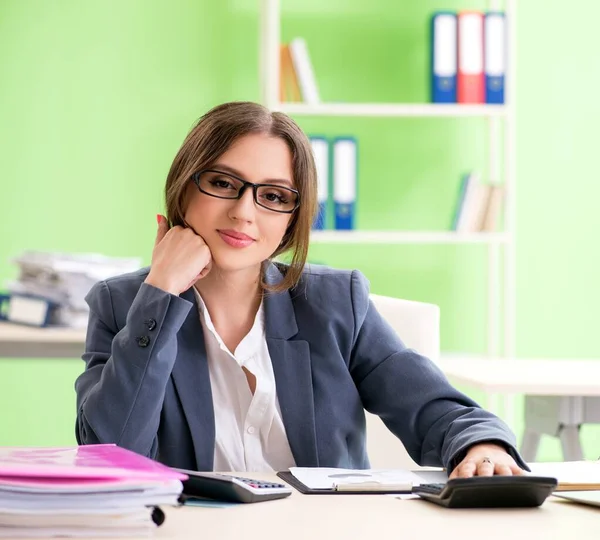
<point>120,394</point>
<point>435,422</point>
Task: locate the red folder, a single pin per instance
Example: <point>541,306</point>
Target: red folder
<point>470,78</point>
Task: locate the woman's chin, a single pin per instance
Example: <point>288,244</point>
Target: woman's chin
<point>228,263</point>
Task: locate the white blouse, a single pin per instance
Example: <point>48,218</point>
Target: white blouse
<point>249,430</point>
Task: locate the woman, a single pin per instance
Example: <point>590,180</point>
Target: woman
<point>216,358</point>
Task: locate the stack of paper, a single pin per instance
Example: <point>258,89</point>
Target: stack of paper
<point>65,279</point>
<point>95,490</point>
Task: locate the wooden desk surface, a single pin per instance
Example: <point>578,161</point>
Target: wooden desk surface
<point>531,376</point>
<point>373,517</point>
<point>21,333</point>
<point>18,341</point>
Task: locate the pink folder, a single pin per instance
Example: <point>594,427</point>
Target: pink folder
<point>94,461</point>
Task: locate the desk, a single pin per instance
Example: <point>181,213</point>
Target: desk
<point>18,341</point>
<point>374,517</point>
<point>560,395</point>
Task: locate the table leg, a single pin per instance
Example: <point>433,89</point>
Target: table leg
<point>530,444</point>
<point>571,446</point>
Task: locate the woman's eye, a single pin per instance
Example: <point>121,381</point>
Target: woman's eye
<point>220,183</point>
<point>275,197</point>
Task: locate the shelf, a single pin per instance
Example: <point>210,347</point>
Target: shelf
<point>392,109</point>
<point>405,237</point>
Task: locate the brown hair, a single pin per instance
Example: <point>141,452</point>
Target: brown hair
<point>212,136</point>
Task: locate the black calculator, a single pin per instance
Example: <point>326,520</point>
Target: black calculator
<point>489,491</point>
<point>225,487</point>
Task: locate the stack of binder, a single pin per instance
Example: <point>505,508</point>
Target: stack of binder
<point>468,57</point>
<point>95,490</point>
<point>336,162</point>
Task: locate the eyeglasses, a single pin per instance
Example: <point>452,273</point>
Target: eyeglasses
<point>227,186</point>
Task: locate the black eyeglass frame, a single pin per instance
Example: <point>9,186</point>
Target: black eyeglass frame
<point>245,185</point>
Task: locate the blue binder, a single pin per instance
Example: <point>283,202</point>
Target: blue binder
<point>320,148</point>
<point>26,309</point>
<point>345,165</point>
<point>495,56</point>
<point>443,57</point>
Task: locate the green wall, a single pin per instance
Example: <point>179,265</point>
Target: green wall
<point>97,97</point>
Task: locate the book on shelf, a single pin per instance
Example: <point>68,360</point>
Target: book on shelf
<point>297,81</point>
<point>289,89</point>
<point>479,205</point>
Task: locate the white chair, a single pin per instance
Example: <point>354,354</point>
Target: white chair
<point>418,325</point>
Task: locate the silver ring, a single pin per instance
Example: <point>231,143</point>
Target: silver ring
<point>487,460</point>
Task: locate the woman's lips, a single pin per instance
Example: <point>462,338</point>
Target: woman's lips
<point>236,239</point>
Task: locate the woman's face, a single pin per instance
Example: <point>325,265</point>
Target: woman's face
<point>240,233</point>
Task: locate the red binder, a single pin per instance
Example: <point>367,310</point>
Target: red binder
<point>470,78</point>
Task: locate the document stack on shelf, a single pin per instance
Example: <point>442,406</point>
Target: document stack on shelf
<point>83,491</point>
<point>51,287</point>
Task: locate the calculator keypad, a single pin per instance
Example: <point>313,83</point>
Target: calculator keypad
<point>257,483</point>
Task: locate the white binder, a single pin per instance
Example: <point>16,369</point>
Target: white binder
<point>320,148</point>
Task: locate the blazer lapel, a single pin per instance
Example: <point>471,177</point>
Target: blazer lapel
<point>293,375</point>
<point>192,381</point>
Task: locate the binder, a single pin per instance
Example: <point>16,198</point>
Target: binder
<point>320,148</point>
<point>83,491</point>
<point>345,163</point>
<point>470,78</point>
<point>495,56</point>
<point>26,309</point>
<point>443,57</point>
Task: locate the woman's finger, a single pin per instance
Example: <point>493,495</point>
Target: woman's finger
<point>504,470</point>
<point>485,468</point>
<point>465,470</point>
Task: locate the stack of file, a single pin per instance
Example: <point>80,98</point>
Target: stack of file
<point>95,490</point>
<point>60,280</point>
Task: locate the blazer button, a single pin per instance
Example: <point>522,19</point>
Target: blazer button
<point>143,341</point>
<point>150,323</point>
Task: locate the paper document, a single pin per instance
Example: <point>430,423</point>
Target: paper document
<point>359,479</point>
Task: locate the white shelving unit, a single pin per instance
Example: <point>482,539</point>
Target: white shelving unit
<point>391,109</point>
<point>405,237</point>
<point>500,246</point>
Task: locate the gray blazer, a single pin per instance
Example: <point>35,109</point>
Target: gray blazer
<point>146,385</point>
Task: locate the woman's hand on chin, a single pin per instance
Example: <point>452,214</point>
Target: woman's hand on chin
<point>179,259</point>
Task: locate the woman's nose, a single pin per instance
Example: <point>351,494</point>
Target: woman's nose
<point>244,207</point>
